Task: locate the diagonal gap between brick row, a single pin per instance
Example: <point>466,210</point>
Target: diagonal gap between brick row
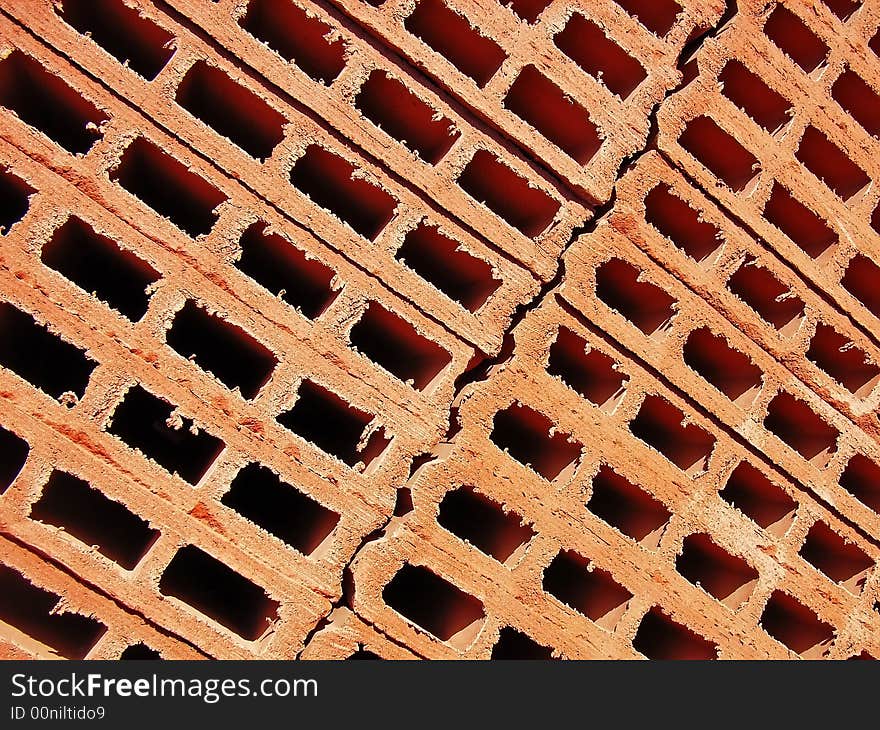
<point>469,114</point>
<point>479,371</point>
<point>737,220</point>
<point>722,427</point>
<point>54,562</point>
<point>278,209</point>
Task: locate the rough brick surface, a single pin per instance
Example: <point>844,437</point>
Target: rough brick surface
<point>439,329</point>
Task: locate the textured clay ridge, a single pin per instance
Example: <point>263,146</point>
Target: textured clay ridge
<point>358,329</point>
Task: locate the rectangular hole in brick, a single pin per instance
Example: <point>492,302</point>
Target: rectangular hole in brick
<point>394,108</point>
<point>796,626</point>
<point>535,441</point>
<point>861,656</point>
<point>795,423</point>
<point>586,44</point>
<point>396,346</point>
<point>15,200</point>
<point>41,357</point>
<point>217,591</point>
<point>155,427</point>
<point>659,637</point>
<point>860,280</point>
<point>729,370</point>
<point>645,305</point>
<point>139,652</point>
<point>759,499</point>
<point>541,103</point>
<point>861,478</point>
<point>628,508</point>
<point>492,183</point>
<point>726,158</point>
<point>662,426</point>
<point>82,511</point>
<point>658,16</point>
<point>42,100</point>
<point>362,654</point>
<point>794,38</point>
<point>771,299</point>
<point>799,223</point>
<point>435,605</point>
<point>484,523</point>
<point>444,263</point>
<point>748,92</point>
<point>874,43</point>
<point>334,426</point>
<point>333,184</point>
<point>226,351</point>
<point>168,187</point>
<point>454,38</point>
<point>276,264</point>
<point>591,591</point>
<point>843,361</point>
<point>843,8</point>
<point>528,10</point>
<point>231,110</point>
<point>830,164</point>
<point>99,266</point>
<point>125,34</point>
<point>259,495</point>
<point>727,578</point>
<point>403,503</point>
<point>589,372</point>
<point>842,561</point>
<point>13,453</point>
<point>859,100</point>
<point>296,36</point>
<point>515,645</point>
<point>32,611</point>
<point>681,224</point>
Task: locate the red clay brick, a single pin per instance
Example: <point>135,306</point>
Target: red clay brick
<point>431,329</point>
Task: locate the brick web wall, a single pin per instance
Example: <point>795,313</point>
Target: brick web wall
<point>433,328</point>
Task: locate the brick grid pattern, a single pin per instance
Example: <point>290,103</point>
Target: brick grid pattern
<point>559,514</point>
<point>620,77</point>
<point>438,329</point>
<point>795,135</point>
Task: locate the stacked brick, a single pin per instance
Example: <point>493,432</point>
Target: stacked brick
<point>573,85</point>
<point>787,142</point>
<point>309,178</point>
<point>49,614</point>
<point>604,514</point>
<point>423,328</point>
